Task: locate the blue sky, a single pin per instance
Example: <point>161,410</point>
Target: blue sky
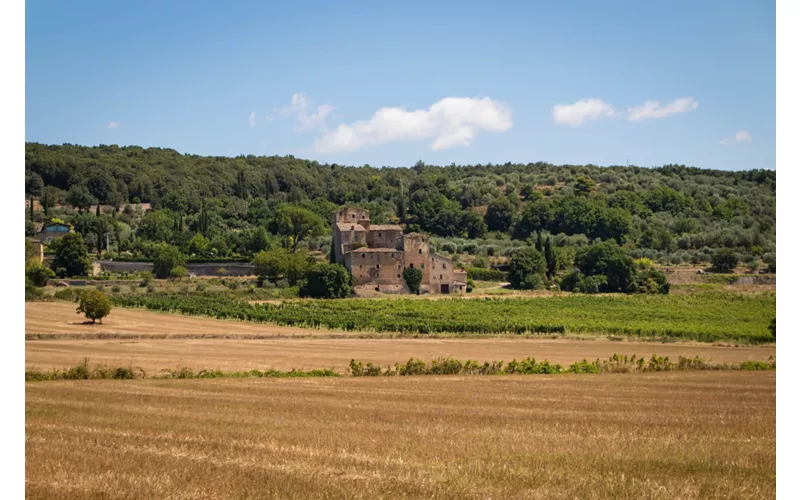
<point>389,83</point>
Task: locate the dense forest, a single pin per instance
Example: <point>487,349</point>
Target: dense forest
<point>221,207</point>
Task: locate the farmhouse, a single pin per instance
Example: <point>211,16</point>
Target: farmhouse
<point>52,231</point>
<point>378,254</point>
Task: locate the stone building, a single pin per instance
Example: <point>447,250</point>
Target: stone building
<point>377,254</point>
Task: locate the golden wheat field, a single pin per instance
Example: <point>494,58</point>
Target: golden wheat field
<point>308,353</point>
<point>687,435</point>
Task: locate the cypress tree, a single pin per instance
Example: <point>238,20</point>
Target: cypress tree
<point>539,246</point>
<point>550,258</point>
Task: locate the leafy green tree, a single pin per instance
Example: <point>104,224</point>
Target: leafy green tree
<point>199,245</point>
<point>70,256</point>
<point>771,261</point>
<point>550,258</point>
<point>536,216</point>
<point>298,265</point>
<point>651,280</point>
<point>102,187</point>
<point>79,197</point>
<point>610,260</point>
<point>413,277</point>
<point>724,260</point>
<point>271,264</point>
<point>327,281</point>
<point>583,185</point>
<point>178,273</point>
<point>33,185</point>
<point>279,263</point>
<point>473,224</point>
<point>499,215</point>
<point>157,225</point>
<point>297,224</point>
<point>38,273</point>
<point>526,269</point>
<point>51,196</point>
<point>94,304</point>
<point>167,257</point>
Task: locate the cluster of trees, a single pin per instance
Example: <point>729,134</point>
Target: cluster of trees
<point>601,267</point>
<point>235,208</point>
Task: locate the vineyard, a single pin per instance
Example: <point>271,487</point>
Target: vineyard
<point>706,317</point>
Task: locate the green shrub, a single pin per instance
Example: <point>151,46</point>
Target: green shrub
<point>38,274</point>
<point>65,294</point>
<point>413,277</point>
<point>94,305</point>
<point>201,287</point>
<point>327,281</point>
<point>724,260</point>
<point>526,269</point>
<point>482,274</point>
<point>116,288</point>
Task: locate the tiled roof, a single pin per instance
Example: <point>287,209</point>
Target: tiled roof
<point>385,227</point>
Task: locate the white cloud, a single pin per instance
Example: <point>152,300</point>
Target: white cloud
<point>306,117</point>
<point>112,124</point>
<point>252,118</point>
<point>654,109</point>
<point>575,114</point>
<point>741,136</point>
<point>450,122</point>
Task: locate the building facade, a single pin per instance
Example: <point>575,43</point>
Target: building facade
<point>378,254</point>
<point>52,231</point>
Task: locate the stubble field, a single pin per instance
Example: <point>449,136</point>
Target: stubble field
<point>687,435</point>
<point>153,355</point>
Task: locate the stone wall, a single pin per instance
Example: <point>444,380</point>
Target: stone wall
<point>199,269</point>
<point>384,267</point>
<point>385,238</point>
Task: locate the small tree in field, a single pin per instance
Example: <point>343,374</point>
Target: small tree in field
<point>724,260</point>
<point>178,273</point>
<point>412,277</point>
<point>94,305</point>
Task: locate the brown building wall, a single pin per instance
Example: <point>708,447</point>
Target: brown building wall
<point>376,267</point>
<point>391,238</point>
<point>416,254</point>
<point>441,272</point>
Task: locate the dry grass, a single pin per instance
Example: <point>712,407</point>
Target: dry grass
<point>60,318</point>
<point>707,435</point>
<point>313,353</point>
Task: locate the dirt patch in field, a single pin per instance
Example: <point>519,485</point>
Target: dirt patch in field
<point>314,353</point>
<point>697,435</point>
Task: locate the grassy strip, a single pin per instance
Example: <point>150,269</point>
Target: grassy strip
<point>705,317</point>
<point>618,363</point>
<point>82,371</point>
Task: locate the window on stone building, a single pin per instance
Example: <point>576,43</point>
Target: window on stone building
<point>444,266</point>
<point>398,275</point>
<point>377,266</point>
<point>379,235</point>
<point>440,276</point>
<point>363,256</point>
<point>420,251</point>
